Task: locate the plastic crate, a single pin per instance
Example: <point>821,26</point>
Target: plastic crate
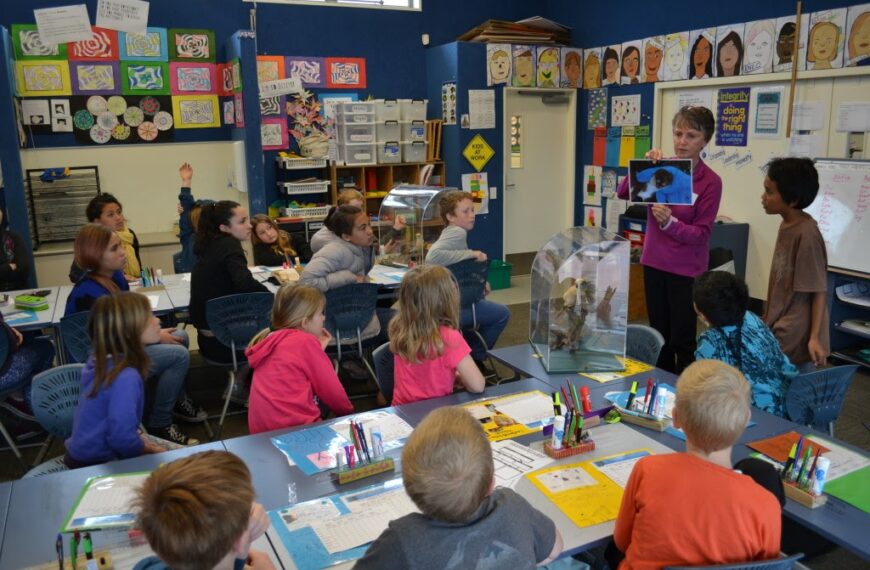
<point>389,152</point>
<point>317,212</point>
<point>363,153</point>
<point>499,274</point>
<point>413,131</point>
<point>389,131</point>
<point>414,151</point>
<point>356,132</point>
<point>318,187</point>
<point>413,109</point>
<point>387,110</point>
<point>290,163</point>
<point>357,112</point>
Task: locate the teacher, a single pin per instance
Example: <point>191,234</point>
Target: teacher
<point>676,245</point>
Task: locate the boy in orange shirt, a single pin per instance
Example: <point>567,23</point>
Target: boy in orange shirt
<point>692,508</point>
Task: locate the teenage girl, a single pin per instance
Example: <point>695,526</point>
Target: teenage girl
<point>291,370</point>
<point>351,197</point>
<point>106,424</point>
<point>100,254</point>
<point>107,211</point>
<point>430,353</point>
<point>348,256</point>
<point>221,268</point>
<point>272,245</point>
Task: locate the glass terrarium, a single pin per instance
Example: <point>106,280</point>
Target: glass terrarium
<point>416,207</point>
<point>579,301</point>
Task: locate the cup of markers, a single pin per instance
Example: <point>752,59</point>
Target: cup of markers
<point>804,474</point>
<point>364,456</point>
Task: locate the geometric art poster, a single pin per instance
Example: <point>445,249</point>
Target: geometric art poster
<point>597,108</point>
<point>269,68</point>
<point>196,111</point>
<point>122,119</point>
<point>37,78</point>
<point>345,72</point>
<point>191,45</point>
<point>148,46</point>
<point>95,77</point>
<point>625,111</point>
<point>145,78</point>
<point>192,78</point>
<point>102,45</point>
<point>309,70</point>
<point>28,45</point>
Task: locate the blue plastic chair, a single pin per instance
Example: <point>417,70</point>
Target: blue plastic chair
<point>816,398</point>
<point>234,320</point>
<point>54,397</point>
<point>75,338</point>
<point>471,276</point>
<point>4,352</point>
<point>384,361</point>
<point>349,310</point>
<point>783,563</point>
<point>643,343</point>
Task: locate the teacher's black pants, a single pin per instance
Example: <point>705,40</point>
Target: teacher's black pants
<point>672,313</point>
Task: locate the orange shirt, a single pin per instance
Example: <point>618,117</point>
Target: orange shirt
<point>679,509</point>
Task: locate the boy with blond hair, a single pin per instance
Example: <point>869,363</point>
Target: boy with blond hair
<point>465,522</point>
<point>692,508</point>
<point>198,513</point>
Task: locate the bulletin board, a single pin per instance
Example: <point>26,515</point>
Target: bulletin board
<point>742,175</point>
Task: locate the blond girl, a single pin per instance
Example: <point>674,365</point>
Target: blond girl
<point>271,244</point>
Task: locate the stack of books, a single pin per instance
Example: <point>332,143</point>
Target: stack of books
<point>536,30</point>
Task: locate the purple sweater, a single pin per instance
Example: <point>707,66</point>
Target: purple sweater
<point>682,247</point>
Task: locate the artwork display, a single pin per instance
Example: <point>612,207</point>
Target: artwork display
<point>548,67</point>
<point>653,53</point>
<point>785,36</point>
<point>191,45</point>
<point>190,78</point>
<point>857,34</point>
<point>269,68</point>
<point>610,65</point>
<point>239,108</point>
<point>236,71</point>
<point>597,111</point>
<point>309,70</point>
<point>42,78</point>
<point>345,72</point>
<point>759,47</point>
<point>196,111</point>
<point>229,113</point>
<point>92,77</point>
<point>102,45</point>
<point>826,39</point>
<point>122,119</point>
<point>27,44</point>
<point>591,68</point>
<point>224,79</point>
<point>273,134</point>
<point>661,182</point>
<point>61,117</point>
<point>676,65</point>
<point>149,46</point>
<point>145,78</point>
<point>498,64</point>
<point>270,106</point>
<point>523,66</point>
<point>572,68</point>
<point>729,50</point>
<point>630,71</point>
<point>703,43</point>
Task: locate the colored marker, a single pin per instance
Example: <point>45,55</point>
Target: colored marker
<point>74,549</point>
<point>88,546</point>
<point>792,476</point>
<point>577,405</point>
<point>652,399</point>
<point>566,398</point>
<point>649,385</point>
<point>802,474</point>
<point>587,401</point>
<point>557,406</point>
<point>789,462</point>
<point>58,546</point>
<point>812,471</point>
<point>631,395</point>
<point>569,417</point>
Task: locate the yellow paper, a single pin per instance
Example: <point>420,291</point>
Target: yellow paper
<point>583,493</point>
<point>195,111</point>
<point>514,415</point>
<point>626,146</point>
<point>632,367</point>
<point>43,78</point>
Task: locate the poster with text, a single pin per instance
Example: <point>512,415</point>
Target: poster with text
<point>732,116</point>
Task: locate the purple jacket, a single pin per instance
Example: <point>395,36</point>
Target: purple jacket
<point>682,247</point>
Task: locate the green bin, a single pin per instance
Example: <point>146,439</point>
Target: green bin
<point>499,274</point>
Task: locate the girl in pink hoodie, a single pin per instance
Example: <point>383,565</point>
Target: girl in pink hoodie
<point>291,370</point>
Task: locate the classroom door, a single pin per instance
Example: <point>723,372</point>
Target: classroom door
<point>539,175</point>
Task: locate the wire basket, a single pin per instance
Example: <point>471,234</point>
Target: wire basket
<point>289,163</point>
<point>318,187</point>
<point>316,213</point>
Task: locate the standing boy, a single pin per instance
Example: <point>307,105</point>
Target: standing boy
<point>797,310</point>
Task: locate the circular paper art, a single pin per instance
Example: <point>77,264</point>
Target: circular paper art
<point>149,105</point>
<point>147,131</point>
<point>163,120</point>
<point>100,135</point>
<point>83,119</point>
<point>134,116</point>
<point>117,104</point>
<point>97,104</point>
<point>121,132</point>
<point>107,120</point>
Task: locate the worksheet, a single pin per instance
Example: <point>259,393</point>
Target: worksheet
<point>513,460</point>
<point>618,467</point>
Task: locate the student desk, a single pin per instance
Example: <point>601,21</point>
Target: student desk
<point>837,521</point>
<point>38,506</point>
<point>161,306</point>
<point>44,319</point>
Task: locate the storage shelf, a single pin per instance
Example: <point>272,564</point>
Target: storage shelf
<point>300,163</point>
<point>851,331</point>
<point>319,187</point>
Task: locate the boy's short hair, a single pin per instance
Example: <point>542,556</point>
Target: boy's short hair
<point>194,509</point>
<point>796,180</point>
<point>722,297</point>
<point>712,404</point>
<point>449,200</point>
<point>447,465</point>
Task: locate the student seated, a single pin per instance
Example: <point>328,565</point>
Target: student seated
<point>430,355</point>
<point>14,262</point>
<point>189,210</point>
<point>465,522</point>
<point>107,211</point>
<point>692,508</point>
<point>272,245</point>
<point>457,211</point>
<point>198,512</point>
<point>292,373</point>
<point>352,197</point>
<point>738,337</point>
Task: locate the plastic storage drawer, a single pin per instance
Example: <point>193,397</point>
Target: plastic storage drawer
<point>414,151</point>
<point>389,153</point>
<point>356,132</point>
<point>389,131</point>
<point>414,131</point>
<point>358,153</point>
<point>387,110</point>
<point>413,109</point>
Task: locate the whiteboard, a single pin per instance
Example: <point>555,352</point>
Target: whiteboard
<point>841,210</point>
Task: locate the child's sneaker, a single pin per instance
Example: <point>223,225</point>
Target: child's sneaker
<point>187,410</point>
<point>172,434</point>
<point>18,407</point>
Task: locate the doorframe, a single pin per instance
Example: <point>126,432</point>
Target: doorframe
<point>571,151</point>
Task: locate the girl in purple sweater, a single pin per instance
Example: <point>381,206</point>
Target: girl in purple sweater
<point>676,245</point>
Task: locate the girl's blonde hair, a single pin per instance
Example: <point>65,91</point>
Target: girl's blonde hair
<point>349,195</point>
<point>115,326</point>
<point>428,300</point>
<point>294,303</point>
<point>282,245</point>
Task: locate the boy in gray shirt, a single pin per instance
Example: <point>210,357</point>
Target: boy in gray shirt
<point>465,522</point>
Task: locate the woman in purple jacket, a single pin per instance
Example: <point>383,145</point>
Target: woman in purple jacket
<point>676,245</point>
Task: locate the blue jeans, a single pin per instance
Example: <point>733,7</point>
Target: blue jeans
<point>30,359</point>
<point>492,318</point>
<point>169,364</point>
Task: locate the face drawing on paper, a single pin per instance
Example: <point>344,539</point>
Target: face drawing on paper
<point>859,37</point>
<point>822,48</point>
<point>523,69</point>
<point>591,71</point>
<point>675,57</point>
<point>572,69</point>
<point>701,56</point>
<point>611,67</point>
<point>499,66</point>
<point>730,56</point>
<point>785,43</point>
<point>548,67</point>
<point>759,48</point>
<point>630,64</point>
<point>652,61</point>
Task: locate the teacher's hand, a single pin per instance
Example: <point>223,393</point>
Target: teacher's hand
<point>662,214</point>
<point>654,154</point>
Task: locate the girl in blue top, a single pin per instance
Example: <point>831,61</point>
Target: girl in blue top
<point>106,424</point>
<point>740,338</point>
<point>102,257</point>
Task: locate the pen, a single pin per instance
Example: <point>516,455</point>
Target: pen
<point>363,442</point>
<point>557,406</point>
<point>74,549</point>
<point>802,474</point>
<point>571,439</point>
<point>652,398</point>
<point>58,545</point>
<point>649,385</point>
<point>576,397</point>
<point>812,472</point>
<point>797,457</point>
<point>566,434</point>
<point>789,462</point>
<point>631,395</point>
<point>567,399</point>
<point>88,546</point>
<point>354,438</point>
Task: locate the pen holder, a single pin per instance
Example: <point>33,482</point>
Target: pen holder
<point>568,451</point>
<point>804,497</point>
<point>651,422</point>
<point>363,470</point>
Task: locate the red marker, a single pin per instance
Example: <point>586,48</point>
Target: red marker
<point>587,401</point>
<point>567,400</point>
<point>649,385</point>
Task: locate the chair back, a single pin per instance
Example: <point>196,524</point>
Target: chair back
<point>643,343</point>
<point>350,308</point>
<point>4,346</point>
<point>74,336</point>
<point>471,277</point>
<point>384,361</point>
<point>783,563</point>
<point>178,263</point>
<point>235,319</point>
<point>816,398</point>
<point>54,397</point>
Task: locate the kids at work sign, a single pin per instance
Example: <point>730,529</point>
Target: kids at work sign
<point>478,152</point>
<point>733,116</point>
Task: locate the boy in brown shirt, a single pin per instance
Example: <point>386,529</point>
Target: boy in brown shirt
<point>797,310</point>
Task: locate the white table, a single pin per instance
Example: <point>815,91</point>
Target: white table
<point>32,320</point>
